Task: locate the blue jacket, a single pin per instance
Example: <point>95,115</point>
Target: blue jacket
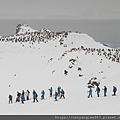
<point>56,94</point>
<point>43,93</point>
<point>90,91</point>
<point>97,90</point>
<point>50,90</point>
<point>22,97</point>
<point>34,95</point>
<point>105,90</point>
<point>59,89</point>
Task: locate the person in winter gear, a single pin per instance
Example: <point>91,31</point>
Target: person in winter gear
<point>98,91</point>
<point>10,99</point>
<point>105,90</point>
<point>50,91</point>
<point>35,96</point>
<point>90,92</point>
<point>22,98</point>
<point>18,97</point>
<point>62,94</point>
<point>42,94</point>
<point>56,94</point>
<point>114,90</point>
<point>27,94</point>
<point>23,95</point>
<point>59,88</point>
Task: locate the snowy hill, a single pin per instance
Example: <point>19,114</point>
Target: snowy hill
<point>37,60</point>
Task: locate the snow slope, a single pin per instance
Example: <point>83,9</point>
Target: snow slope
<point>39,66</point>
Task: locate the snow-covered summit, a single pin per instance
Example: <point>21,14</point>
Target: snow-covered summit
<point>23,28</point>
<point>24,33</point>
<point>65,37</point>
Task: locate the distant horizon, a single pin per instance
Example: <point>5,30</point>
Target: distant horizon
<point>104,31</point>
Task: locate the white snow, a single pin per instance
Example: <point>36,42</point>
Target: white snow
<point>24,68</point>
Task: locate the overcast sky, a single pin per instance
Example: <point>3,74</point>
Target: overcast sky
<point>59,9</point>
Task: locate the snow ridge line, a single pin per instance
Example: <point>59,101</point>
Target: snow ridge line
<point>110,54</point>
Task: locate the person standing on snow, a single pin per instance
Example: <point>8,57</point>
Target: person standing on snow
<point>50,91</point>
<point>35,96</point>
<point>10,99</point>
<point>105,90</point>
<point>90,92</point>
<point>18,97</point>
<point>42,94</point>
<point>27,94</point>
<point>62,94</point>
<point>98,91</point>
<point>22,98</point>
<point>114,90</point>
<point>23,95</point>
<point>59,88</point>
<point>56,94</point>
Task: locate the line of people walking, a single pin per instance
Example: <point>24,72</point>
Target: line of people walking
<point>59,93</point>
<point>104,89</point>
<point>25,96</point>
